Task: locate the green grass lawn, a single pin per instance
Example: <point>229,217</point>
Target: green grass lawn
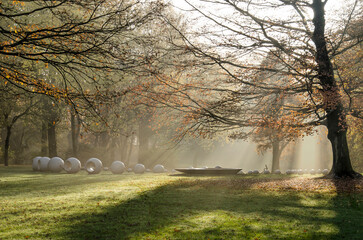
<point>37,205</point>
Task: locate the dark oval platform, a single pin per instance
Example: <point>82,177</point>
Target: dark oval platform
<point>209,171</point>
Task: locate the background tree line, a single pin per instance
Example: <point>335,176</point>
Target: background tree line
<point>104,74</point>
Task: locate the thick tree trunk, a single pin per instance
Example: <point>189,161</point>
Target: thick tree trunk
<point>276,153</point>
<point>44,139</point>
<point>7,146</point>
<point>337,135</point>
<point>52,141</point>
<point>336,118</point>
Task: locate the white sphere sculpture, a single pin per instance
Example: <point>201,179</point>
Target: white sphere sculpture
<point>93,166</point>
<point>43,164</point>
<point>36,163</point>
<point>55,164</point>
<point>325,171</point>
<point>312,171</point>
<point>256,172</point>
<point>300,172</point>
<point>277,171</point>
<point>288,171</point>
<point>158,168</point>
<point>319,171</point>
<point>117,167</point>
<point>72,165</point>
<point>266,171</point>
<point>250,172</point>
<point>139,168</point>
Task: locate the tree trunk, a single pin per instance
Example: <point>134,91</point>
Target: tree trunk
<point>75,130</point>
<point>336,118</point>
<point>276,153</point>
<point>52,142</point>
<point>144,139</point>
<point>337,135</point>
<point>44,139</point>
<point>129,151</point>
<point>7,146</point>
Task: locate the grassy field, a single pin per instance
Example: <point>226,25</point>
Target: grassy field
<point>37,205</point>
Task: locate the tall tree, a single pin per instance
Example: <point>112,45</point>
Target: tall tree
<point>13,106</point>
<point>295,34</point>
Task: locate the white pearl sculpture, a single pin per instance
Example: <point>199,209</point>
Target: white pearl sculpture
<point>117,167</point>
<point>36,163</point>
<point>139,168</point>
<point>158,168</point>
<point>43,164</point>
<point>72,165</point>
<point>325,171</point>
<point>55,164</point>
<point>93,166</point>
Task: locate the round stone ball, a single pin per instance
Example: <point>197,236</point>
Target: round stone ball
<point>93,166</point>
<point>277,171</point>
<point>318,171</point>
<point>288,172</point>
<point>158,168</point>
<point>312,171</point>
<point>250,172</point>
<point>35,164</point>
<point>43,164</point>
<point>266,172</point>
<point>300,172</point>
<point>325,171</point>
<point>117,167</point>
<point>256,172</point>
<point>55,164</point>
<point>72,165</point>
<point>139,168</point>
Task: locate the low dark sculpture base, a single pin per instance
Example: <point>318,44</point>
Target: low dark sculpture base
<point>209,171</point>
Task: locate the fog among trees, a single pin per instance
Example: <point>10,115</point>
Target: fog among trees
<point>183,84</point>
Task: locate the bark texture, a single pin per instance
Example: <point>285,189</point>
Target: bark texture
<point>276,153</point>
<point>336,117</point>
<point>52,142</point>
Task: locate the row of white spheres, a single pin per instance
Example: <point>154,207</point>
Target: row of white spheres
<point>92,166</point>
<point>56,164</point>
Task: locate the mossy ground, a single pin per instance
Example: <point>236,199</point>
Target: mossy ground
<point>37,205</point>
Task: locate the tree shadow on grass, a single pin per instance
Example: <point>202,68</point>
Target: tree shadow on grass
<point>214,209</point>
<point>348,205</point>
<point>45,183</point>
